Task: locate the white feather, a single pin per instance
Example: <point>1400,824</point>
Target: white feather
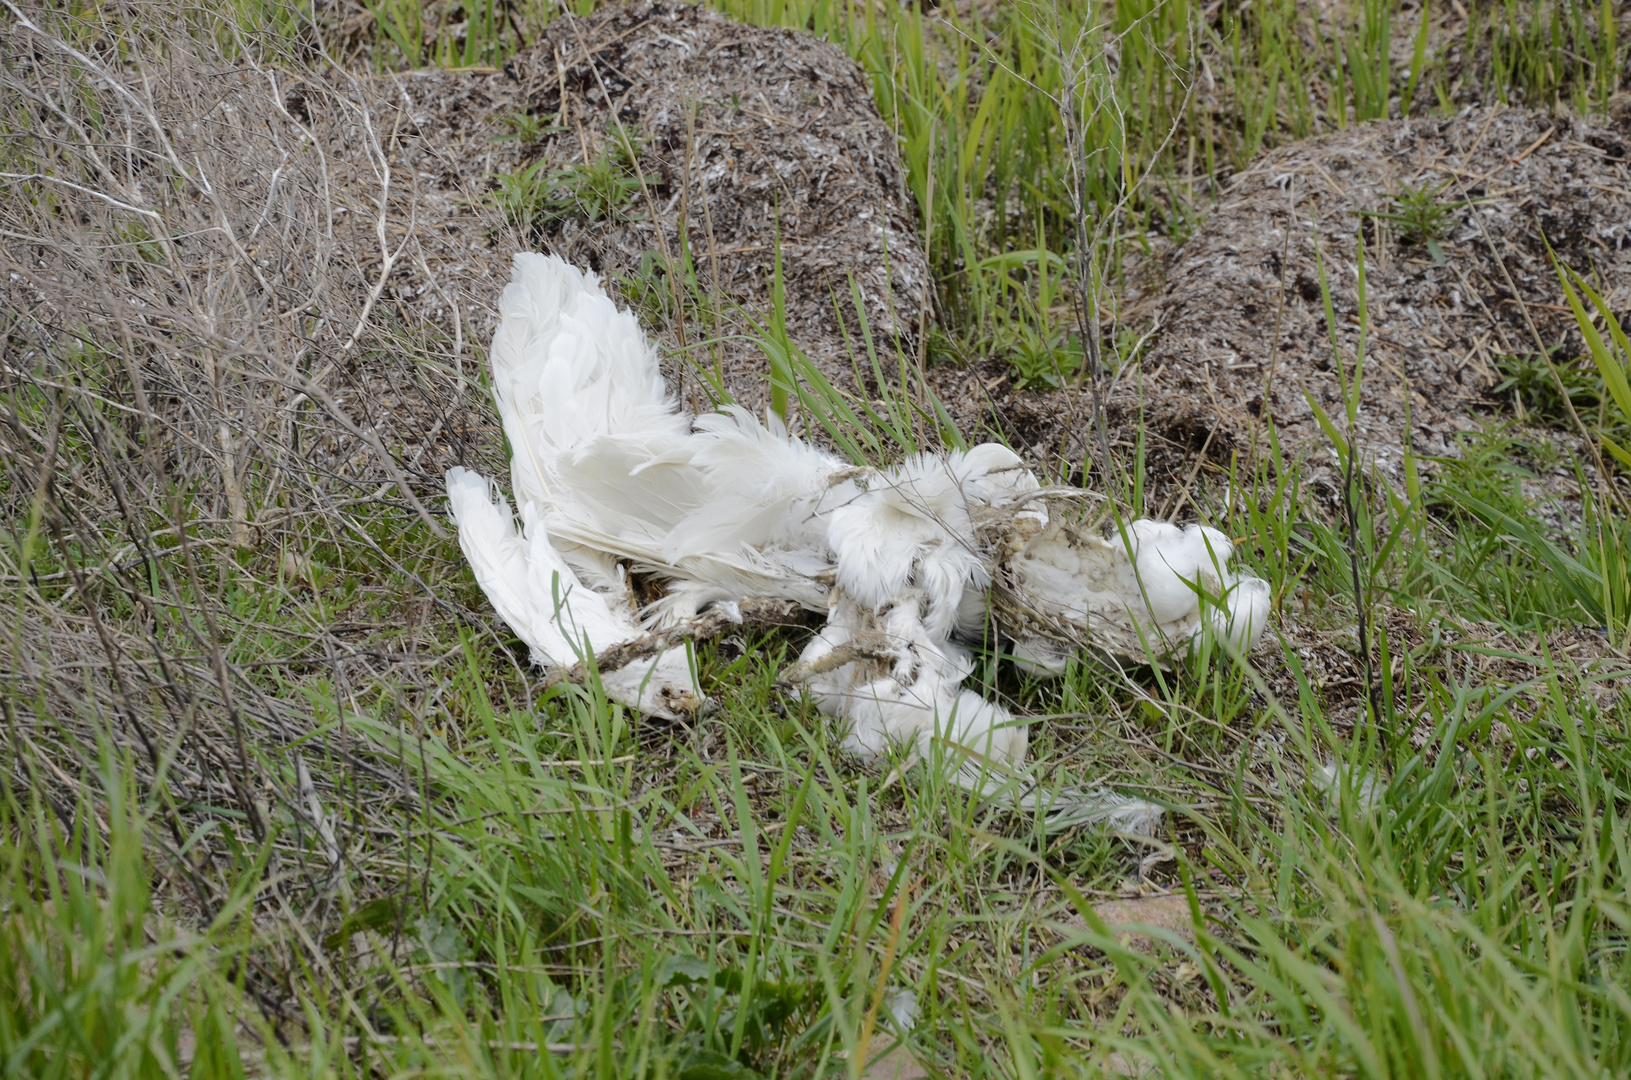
<point>1244,613</point>
<point>1143,595</point>
<point>731,510</point>
<point>766,488</point>
<point>1337,780</point>
<point>569,371</point>
<point>540,597</point>
<point>568,368</point>
<point>914,526</point>
<point>912,698</point>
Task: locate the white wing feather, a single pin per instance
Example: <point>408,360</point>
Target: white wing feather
<point>729,511</point>
<point>541,598</point>
<point>568,368</point>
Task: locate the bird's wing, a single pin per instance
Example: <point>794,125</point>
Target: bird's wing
<point>729,511</point>
<point>498,556</point>
<point>723,512</point>
<point>539,596</point>
<point>766,489</point>
<point>634,489</point>
<point>569,368</point>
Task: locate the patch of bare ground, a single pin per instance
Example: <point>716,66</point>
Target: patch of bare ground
<point>742,138</point>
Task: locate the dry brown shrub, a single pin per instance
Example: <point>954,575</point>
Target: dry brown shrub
<point>212,401</point>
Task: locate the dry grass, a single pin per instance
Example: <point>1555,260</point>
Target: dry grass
<point>222,446</point>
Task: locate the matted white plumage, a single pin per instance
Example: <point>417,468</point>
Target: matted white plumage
<point>611,478</point>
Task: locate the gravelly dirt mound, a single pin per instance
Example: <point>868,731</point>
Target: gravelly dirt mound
<point>1436,330</point>
<point>744,134</point>
<point>1214,372</point>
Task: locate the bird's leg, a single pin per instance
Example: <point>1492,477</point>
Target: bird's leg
<point>865,645</point>
<point>756,613</point>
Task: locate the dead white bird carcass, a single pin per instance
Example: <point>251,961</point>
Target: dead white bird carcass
<point>611,479</point>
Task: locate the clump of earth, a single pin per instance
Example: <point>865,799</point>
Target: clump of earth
<point>1454,309</point>
<point>646,133</point>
